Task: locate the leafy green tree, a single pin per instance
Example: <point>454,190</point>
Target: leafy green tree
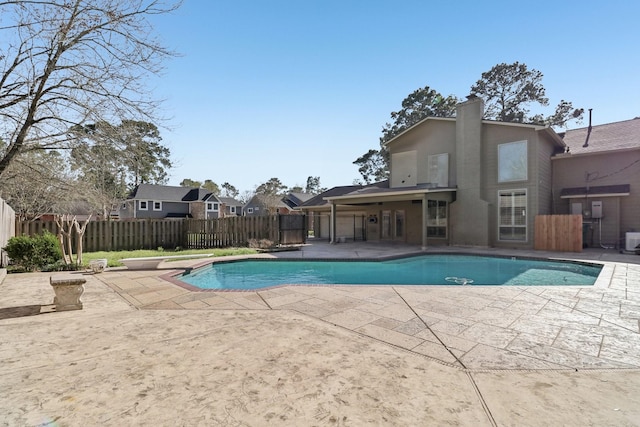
<point>272,187</point>
<point>509,89</point>
<point>211,186</point>
<point>190,183</point>
<point>66,62</point>
<point>110,160</point>
<point>131,152</point>
<point>313,186</point>
<point>296,189</point>
<point>373,165</point>
<point>229,190</point>
<point>146,159</point>
<point>417,106</point>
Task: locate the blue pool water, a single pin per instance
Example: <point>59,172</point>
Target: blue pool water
<point>420,270</point>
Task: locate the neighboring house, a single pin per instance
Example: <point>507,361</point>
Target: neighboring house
<point>598,176</point>
<point>459,181</point>
<point>263,204</point>
<point>293,200</point>
<point>162,201</point>
<point>232,207</point>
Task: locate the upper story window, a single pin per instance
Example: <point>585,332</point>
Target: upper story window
<point>144,205</point>
<point>157,206</point>
<point>438,169</point>
<point>512,161</point>
<point>250,210</point>
<point>213,206</point>
<point>233,209</point>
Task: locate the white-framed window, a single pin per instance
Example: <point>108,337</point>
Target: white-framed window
<point>512,219</point>
<point>438,169</point>
<point>157,206</point>
<point>386,224</point>
<point>233,209</point>
<point>249,210</point>
<point>399,224</point>
<point>512,161</point>
<point>209,206</point>
<point>143,205</point>
<point>124,205</point>
<point>437,218</point>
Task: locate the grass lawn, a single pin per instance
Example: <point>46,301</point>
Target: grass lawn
<point>113,258</point>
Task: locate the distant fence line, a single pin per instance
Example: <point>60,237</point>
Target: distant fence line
<point>171,233</point>
<point>7,227</point>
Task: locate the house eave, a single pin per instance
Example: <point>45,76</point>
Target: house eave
<point>592,196</point>
<point>407,194</point>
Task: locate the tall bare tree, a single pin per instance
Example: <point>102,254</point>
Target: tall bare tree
<point>37,183</point>
<point>72,62</point>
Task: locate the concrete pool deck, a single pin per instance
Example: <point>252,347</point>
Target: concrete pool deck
<point>144,351</point>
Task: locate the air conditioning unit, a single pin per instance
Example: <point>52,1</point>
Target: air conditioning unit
<point>631,241</point>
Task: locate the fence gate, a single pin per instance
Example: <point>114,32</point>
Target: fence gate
<point>293,229</point>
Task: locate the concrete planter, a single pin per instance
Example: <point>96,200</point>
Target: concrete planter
<point>68,290</point>
<point>98,265</point>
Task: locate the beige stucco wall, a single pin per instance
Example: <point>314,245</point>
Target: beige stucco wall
<point>470,212</point>
<point>620,214</point>
<point>539,151</point>
<point>441,136</point>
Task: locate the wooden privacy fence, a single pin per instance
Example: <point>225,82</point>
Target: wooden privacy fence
<point>7,221</point>
<point>229,231</point>
<point>561,233</point>
<point>167,233</point>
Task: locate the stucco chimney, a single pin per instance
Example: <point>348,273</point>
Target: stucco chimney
<point>469,213</point>
<point>468,142</point>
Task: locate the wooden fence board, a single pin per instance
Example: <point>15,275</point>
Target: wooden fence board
<point>562,233</point>
<point>169,233</point>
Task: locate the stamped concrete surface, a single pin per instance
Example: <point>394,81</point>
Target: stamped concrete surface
<point>144,351</point>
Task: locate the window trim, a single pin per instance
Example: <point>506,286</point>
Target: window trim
<point>159,208</point>
<point>526,161</point>
<point>249,210</point>
<point>438,167</point>
<point>525,226</point>
<point>438,219</point>
<point>146,205</point>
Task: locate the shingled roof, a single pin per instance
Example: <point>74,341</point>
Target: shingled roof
<point>169,193</point>
<point>608,137</point>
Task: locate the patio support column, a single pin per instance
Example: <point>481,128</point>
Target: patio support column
<point>425,215</point>
<point>332,224</point>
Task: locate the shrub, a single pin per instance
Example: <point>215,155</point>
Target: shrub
<point>33,253</point>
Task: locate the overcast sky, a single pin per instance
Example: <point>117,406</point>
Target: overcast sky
<point>299,88</point>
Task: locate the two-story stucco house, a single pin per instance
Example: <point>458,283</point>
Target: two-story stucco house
<point>458,181</point>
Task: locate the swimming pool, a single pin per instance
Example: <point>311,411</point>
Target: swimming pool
<point>419,270</point>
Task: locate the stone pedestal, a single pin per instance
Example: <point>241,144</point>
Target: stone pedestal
<point>68,290</point>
